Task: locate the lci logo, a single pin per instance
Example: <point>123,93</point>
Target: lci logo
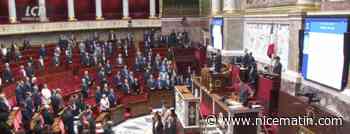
<point>32,11</point>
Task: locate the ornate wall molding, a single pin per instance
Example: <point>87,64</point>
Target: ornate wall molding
<point>13,29</point>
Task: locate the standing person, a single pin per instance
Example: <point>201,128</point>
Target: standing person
<point>218,62</point>
<point>7,74</point>
<point>46,93</point>
<point>68,120</point>
<point>104,104</point>
<point>171,123</point>
<point>41,63</point>
<point>277,66</point>
<point>42,51</point>
<point>4,114</point>
<point>157,125</point>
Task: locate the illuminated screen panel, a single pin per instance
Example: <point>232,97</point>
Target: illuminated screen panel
<point>323,53</point>
<point>216,33</point>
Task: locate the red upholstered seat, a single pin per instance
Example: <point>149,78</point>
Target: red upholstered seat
<point>127,113</point>
<point>205,109</point>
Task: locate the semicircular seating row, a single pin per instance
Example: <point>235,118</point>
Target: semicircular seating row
<point>65,78</point>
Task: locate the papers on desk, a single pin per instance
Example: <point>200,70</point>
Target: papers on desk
<point>257,106</point>
<point>233,105</point>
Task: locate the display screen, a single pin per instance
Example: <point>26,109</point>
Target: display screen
<point>323,51</point>
<point>216,33</point>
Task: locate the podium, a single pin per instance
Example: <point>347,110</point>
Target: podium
<point>268,91</point>
<point>186,107</point>
<point>215,81</point>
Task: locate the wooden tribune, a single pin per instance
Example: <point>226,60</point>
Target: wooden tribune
<point>215,81</point>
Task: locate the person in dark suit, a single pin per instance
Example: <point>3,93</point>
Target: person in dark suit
<point>27,111</point>
<point>245,58</point>
<point>253,74</point>
<point>126,87</point>
<point>69,55</point>
<point>20,93</point>
<point>62,42</point>
<point>172,38</point>
<point>29,70</point>
<point>7,74</point>
<point>4,114</point>
<point>85,59</point>
<point>102,76</point>
<point>159,84</point>
<point>146,74</point>
<point>125,49</point>
<point>84,87</point>
<point>37,98</point>
<point>112,97</point>
<point>151,83</point>
<point>56,101</point>
<point>108,67</point>
<point>125,72</point>
<point>42,51</point>
<point>87,77</point>
<point>218,62</point>
<point>118,80</point>
<point>157,124</point>
<point>131,78</point>
<point>28,85</point>
<point>137,86</point>
<point>4,109</point>
<point>26,44</point>
<point>91,121</point>
<point>98,95</point>
<point>277,66</point>
<point>68,120</point>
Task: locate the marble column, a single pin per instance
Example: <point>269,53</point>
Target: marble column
<point>126,9</point>
<point>160,8</point>
<point>152,9</point>
<point>98,8</point>
<point>229,6</point>
<point>215,7</point>
<point>42,10</point>
<point>12,11</point>
<point>71,12</point>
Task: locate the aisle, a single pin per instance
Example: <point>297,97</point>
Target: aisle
<point>139,125</point>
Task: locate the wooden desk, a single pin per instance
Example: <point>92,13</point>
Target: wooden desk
<point>214,99</point>
<point>215,81</point>
<point>187,107</point>
<point>267,92</point>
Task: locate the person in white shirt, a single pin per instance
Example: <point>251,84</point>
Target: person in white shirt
<point>46,93</point>
<point>104,104</point>
<point>41,62</point>
<point>5,100</point>
<point>23,71</point>
<point>120,59</point>
<point>3,50</point>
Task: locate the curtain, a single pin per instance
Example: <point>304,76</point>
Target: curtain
<point>57,10</point>
<point>85,9</point>
<point>139,8</point>
<point>112,9</point>
<point>4,12</point>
